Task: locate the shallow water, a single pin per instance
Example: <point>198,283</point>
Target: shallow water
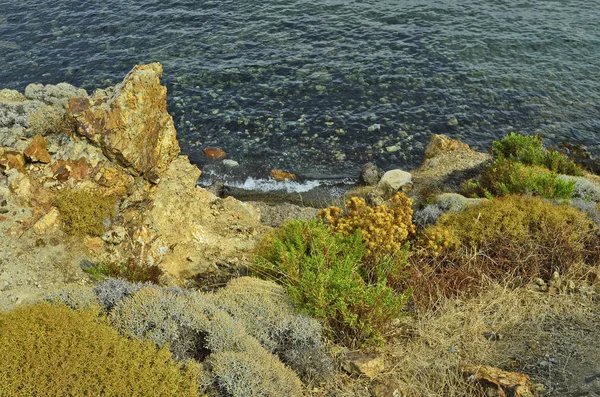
<point>321,87</point>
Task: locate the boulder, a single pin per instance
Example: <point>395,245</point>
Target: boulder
<point>36,151</point>
<point>393,180</point>
<point>130,122</point>
<point>441,143</point>
<point>370,175</point>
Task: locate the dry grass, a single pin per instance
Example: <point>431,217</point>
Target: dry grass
<point>426,354</point>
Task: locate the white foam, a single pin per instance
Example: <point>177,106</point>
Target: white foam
<point>270,185</point>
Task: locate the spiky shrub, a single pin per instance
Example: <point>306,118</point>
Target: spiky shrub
<point>83,211</point>
<point>384,228</point>
<point>164,318</point>
<point>254,373</point>
<point>113,291</point>
<point>529,150</point>
<point>267,313</point>
<point>525,237</point>
<point>507,177</point>
<point>326,277</point>
<point>51,350</point>
<point>194,327</point>
<point>76,297</point>
<point>47,120</point>
<point>427,215</point>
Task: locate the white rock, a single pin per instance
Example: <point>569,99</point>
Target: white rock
<point>395,179</point>
<point>230,163</point>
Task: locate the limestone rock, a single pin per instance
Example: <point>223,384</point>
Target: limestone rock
<point>281,176</point>
<point>394,179</point>
<point>36,151</point>
<point>370,175</point>
<point>196,229</point>
<point>131,123</point>
<point>214,153</point>
<point>369,365</point>
<point>506,384</point>
<point>47,223</point>
<point>11,159</point>
<point>441,143</point>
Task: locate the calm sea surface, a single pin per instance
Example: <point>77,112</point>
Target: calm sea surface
<point>320,87</point>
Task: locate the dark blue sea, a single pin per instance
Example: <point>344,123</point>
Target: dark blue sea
<point>321,87</point>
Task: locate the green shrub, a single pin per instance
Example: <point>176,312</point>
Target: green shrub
<point>53,351</point>
<point>326,277</point>
<point>83,211</point>
<point>529,150</point>
<point>508,177</point>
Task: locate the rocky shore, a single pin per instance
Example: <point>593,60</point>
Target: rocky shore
<point>119,145</point>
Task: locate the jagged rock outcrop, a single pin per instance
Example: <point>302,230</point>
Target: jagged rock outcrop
<point>196,231</point>
<point>118,146</point>
<point>130,122</point>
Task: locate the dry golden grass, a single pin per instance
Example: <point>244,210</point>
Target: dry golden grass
<point>428,360</point>
<point>426,354</point>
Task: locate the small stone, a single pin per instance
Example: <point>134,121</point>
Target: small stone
<point>115,236</point>
<point>36,151</point>
<point>440,143</point>
<point>453,122</point>
<point>230,163</point>
<point>493,336</point>
<point>388,387</point>
<point>513,384</point>
<point>95,245</point>
<point>214,153</point>
<point>370,175</point>
<point>369,365</point>
<point>281,176</point>
<point>11,159</point>
<point>6,286</point>
<point>393,180</point>
<point>47,223</point>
